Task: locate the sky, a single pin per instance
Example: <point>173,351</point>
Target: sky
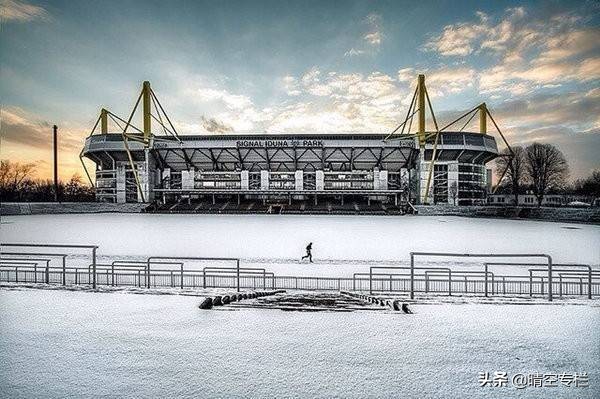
<point>298,66</point>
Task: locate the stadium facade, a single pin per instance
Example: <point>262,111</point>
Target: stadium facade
<point>399,169</point>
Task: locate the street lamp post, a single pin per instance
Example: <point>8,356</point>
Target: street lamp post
<point>55,149</point>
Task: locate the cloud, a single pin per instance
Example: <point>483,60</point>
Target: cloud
<point>371,40</point>
<point>214,126</point>
<point>458,39</point>
<point>529,54</point>
<point>375,34</point>
<point>20,127</point>
<point>20,11</point>
<point>574,110</point>
<point>27,138</point>
<point>231,101</point>
<point>569,44</point>
<point>341,102</point>
<point>353,52</point>
<point>443,80</point>
<point>290,84</point>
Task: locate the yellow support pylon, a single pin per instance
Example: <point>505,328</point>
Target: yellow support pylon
<point>103,121</point>
<point>421,107</point>
<point>483,118</point>
<point>147,110</point>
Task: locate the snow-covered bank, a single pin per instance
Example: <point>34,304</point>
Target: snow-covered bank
<point>350,238</point>
<point>72,344</point>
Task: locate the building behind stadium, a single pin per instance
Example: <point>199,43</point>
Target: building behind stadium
<point>292,172</point>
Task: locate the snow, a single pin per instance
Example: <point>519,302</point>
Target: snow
<point>342,245</point>
<point>81,344</point>
<point>118,343</point>
<point>282,237</point>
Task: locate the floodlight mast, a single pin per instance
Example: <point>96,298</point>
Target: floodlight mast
<point>151,109</point>
<point>418,106</point>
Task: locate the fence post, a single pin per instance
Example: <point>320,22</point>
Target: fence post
<point>203,278</point>
<point>530,283</point>
<point>76,276</point>
<point>550,278</point>
<point>426,281</point>
<point>238,274</point>
<point>172,282</point>
<point>503,285</point>
<point>47,273</point>
<point>412,276</point>
<point>590,283</point>
<point>449,282</point>
<point>35,272</point>
<point>148,274</point>
<point>94,265</point>
<point>485,288</point>
<point>542,285</point>
<point>182,276</point>
<point>580,286</point>
<point>466,286</point>
<point>64,271</point>
<point>560,289</point>
<point>370,280</point>
<point>16,274</point>
<point>112,271</point>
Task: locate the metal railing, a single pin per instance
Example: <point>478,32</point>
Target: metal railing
<point>152,260</point>
<point>429,280</point>
<point>458,255</point>
<point>184,272</point>
<point>93,249</point>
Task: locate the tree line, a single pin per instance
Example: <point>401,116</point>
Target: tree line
<point>541,169</point>
<point>17,184</point>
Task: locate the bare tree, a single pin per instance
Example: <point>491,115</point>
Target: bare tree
<point>589,185</point>
<point>515,166</point>
<point>14,176</point>
<point>547,168</point>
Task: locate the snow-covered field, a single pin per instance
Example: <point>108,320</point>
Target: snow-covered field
<point>57,343</point>
<point>342,245</point>
<point>77,344</point>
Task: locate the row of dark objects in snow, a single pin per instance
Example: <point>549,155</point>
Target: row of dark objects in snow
<point>220,300</point>
<point>391,303</point>
<point>257,207</point>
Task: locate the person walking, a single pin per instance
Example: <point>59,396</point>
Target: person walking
<point>308,252</point>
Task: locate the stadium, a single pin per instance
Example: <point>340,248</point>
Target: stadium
<point>291,173</point>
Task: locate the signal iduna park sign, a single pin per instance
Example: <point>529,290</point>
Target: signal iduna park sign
<point>279,143</point>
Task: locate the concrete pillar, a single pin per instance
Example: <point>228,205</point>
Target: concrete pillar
<point>319,180</point>
<point>264,179</point>
<point>121,168</point>
<point>453,182</point>
<point>147,176</point>
<point>423,176</point>
<point>245,180</point>
<point>383,180</point>
<point>299,176</point>
<point>375,179</point>
<point>142,172</point>
<point>188,178</point>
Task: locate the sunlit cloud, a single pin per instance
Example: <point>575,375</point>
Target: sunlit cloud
<point>20,11</point>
